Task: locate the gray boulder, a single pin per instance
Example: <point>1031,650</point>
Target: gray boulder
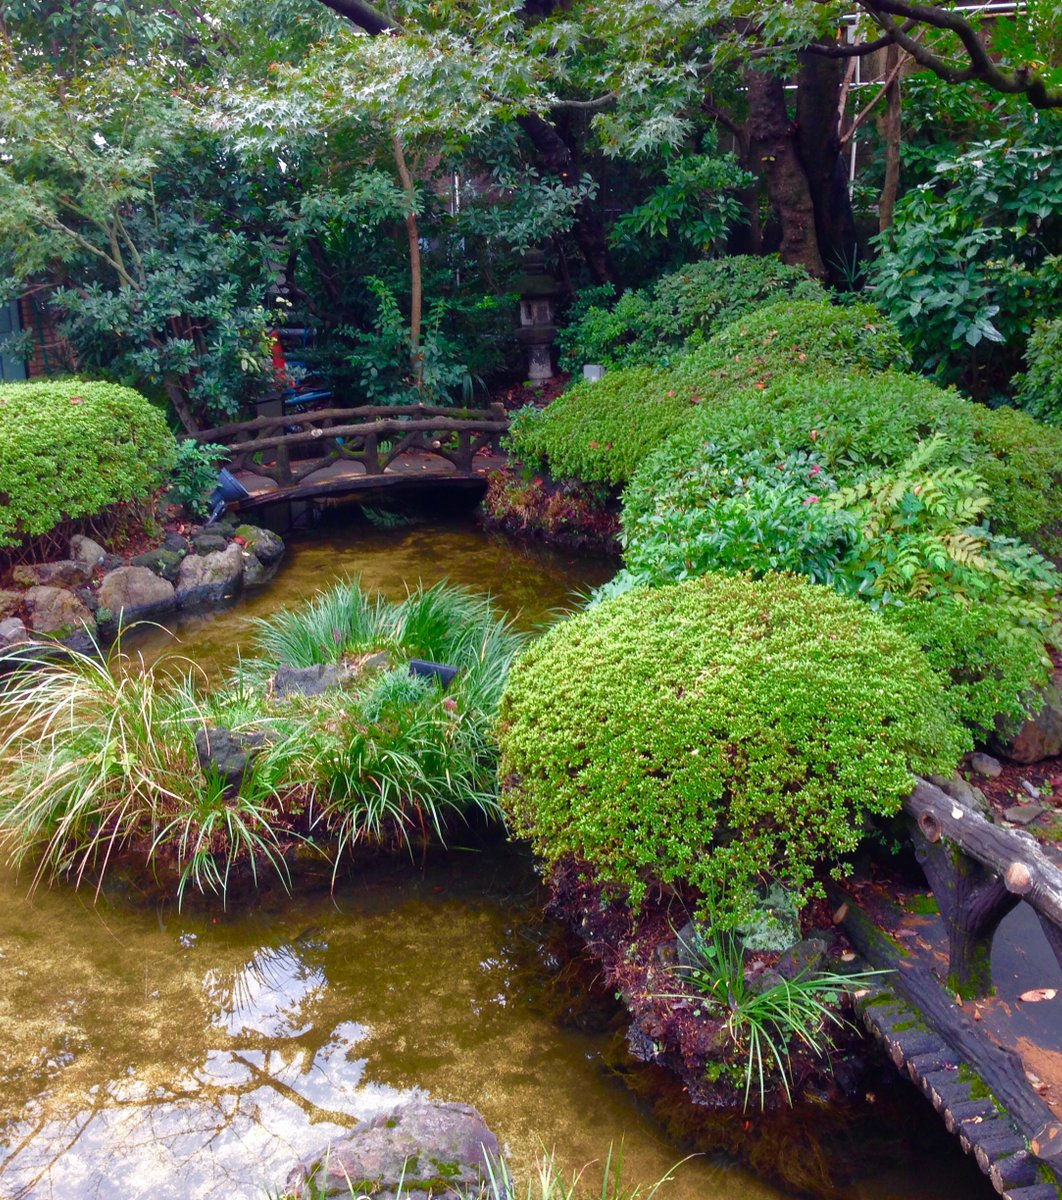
<point>85,550</point>
<point>262,543</point>
<point>255,572</point>
<point>805,958</point>
<point>58,613</point>
<point>209,542</point>
<point>210,578</point>
<point>12,631</point>
<point>1038,737</point>
<point>134,594</point>
<point>985,764</point>
<point>165,563</point>
<point>10,603</point>
<point>227,755</point>
<point>67,572</point>
<point>310,681</point>
<point>421,1148</point>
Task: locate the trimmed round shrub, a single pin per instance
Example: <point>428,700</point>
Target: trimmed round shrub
<point>989,665</point>
<point>795,336</point>
<point>71,448</point>
<point>600,432</point>
<point>1040,388</point>
<point>1022,468</point>
<point>659,323</point>
<point>716,733</point>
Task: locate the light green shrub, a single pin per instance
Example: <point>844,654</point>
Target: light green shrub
<point>1022,468</point>
<point>795,336</point>
<point>600,432</point>
<point>715,733</point>
<point>71,448</point>
<point>659,323</point>
<point>858,424</point>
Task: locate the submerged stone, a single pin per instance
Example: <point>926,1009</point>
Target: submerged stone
<point>420,1149</point>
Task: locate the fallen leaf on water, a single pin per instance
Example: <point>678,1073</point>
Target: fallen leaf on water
<point>840,914</point>
<point>848,956</point>
<point>1035,994</point>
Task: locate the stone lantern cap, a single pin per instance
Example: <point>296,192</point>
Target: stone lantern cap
<point>536,283</point>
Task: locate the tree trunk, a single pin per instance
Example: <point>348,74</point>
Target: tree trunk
<point>819,86</point>
<point>555,157</point>
<point>416,285</point>
<point>774,152</point>
<point>892,128</point>
<point>177,396</point>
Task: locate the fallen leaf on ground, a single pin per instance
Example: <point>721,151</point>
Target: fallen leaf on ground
<point>1035,994</point>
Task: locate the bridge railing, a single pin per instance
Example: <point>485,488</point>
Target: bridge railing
<point>372,435</point>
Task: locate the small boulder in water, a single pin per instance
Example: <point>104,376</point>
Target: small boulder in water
<point>421,1149</point>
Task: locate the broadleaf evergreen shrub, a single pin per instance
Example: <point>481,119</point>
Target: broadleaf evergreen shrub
<point>1040,388</point>
<point>861,424</point>
<point>71,448</point>
<point>717,732</point>
<point>599,432</point>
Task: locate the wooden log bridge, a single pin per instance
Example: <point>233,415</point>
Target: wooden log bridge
<point>328,451</point>
<point>932,1028</point>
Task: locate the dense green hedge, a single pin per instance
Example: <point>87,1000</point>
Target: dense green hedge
<point>601,432</point>
<point>660,323</point>
<point>71,448</point>
<point>795,336</point>
<point>717,732</point>
<point>855,424</point>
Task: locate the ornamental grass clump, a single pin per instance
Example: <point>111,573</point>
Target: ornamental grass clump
<point>717,733</point>
<point>98,759</point>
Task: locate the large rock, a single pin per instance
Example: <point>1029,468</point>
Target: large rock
<point>67,572</point>
<point>10,603</point>
<point>85,550</point>
<point>12,631</point>
<point>210,578</point>
<point>58,613</point>
<point>134,594</point>
<point>265,545</point>
<point>210,541</point>
<point>424,1149</point>
<point>310,681</point>
<point>1038,737</point>
<point>227,755</point>
<point>162,561</point>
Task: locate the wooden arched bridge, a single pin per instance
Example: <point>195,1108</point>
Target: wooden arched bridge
<point>371,448</point>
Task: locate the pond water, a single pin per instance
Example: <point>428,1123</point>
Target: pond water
<point>150,1053</point>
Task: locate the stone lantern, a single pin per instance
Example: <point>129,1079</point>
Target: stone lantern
<point>537,289</point>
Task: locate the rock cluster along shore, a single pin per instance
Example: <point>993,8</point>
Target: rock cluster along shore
<point>91,594</point>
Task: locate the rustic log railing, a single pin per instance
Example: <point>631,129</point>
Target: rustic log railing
<point>978,872</point>
<point>372,435</point>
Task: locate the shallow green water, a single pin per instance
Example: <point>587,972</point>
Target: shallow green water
<point>147,1053</point>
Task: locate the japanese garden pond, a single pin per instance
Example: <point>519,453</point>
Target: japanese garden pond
<point>150,1052</point>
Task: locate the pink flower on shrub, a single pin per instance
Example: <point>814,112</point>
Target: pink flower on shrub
<point>811,500</point>
<point>816,469</point>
